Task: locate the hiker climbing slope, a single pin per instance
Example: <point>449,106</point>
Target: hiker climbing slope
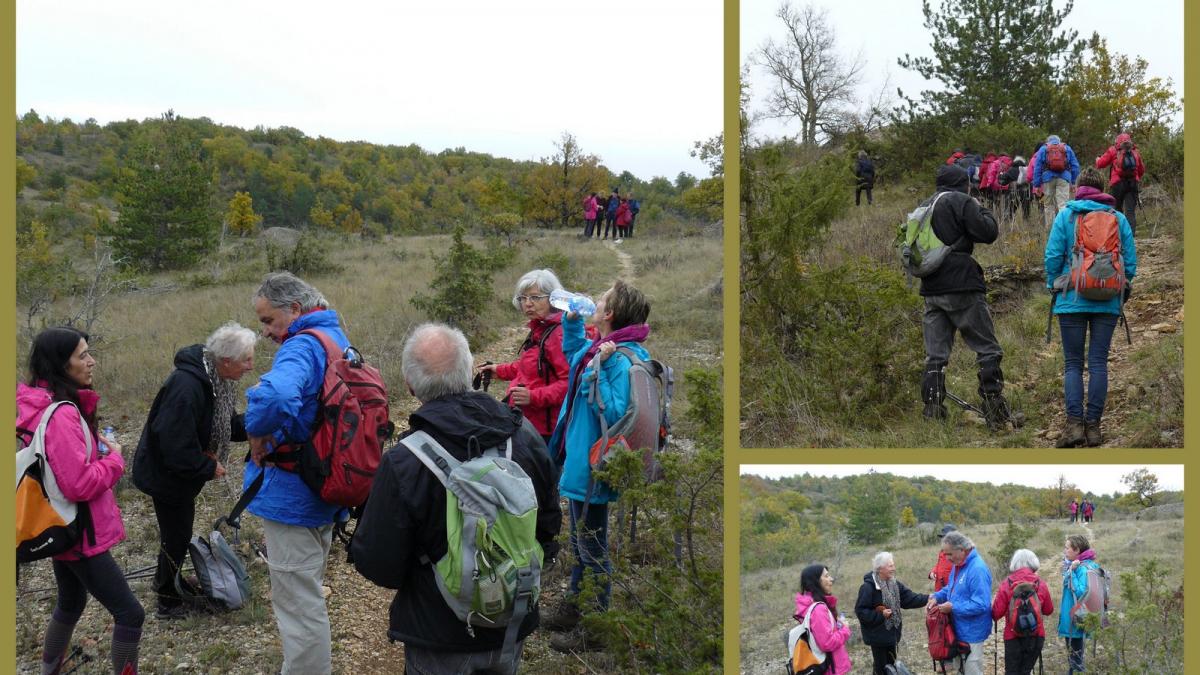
<point>955,300</point>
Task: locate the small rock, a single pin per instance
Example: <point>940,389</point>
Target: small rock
<point>976,419</point>
<point>1179,316</point>
<point>1163,327</point>
<point>326,591</point>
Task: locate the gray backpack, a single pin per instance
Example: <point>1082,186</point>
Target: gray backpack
<point>492,572</point>
<point>224,584</point>
<point>646,425</point>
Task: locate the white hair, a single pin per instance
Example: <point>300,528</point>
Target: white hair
<point>543,279</point>
<point>882,558</point>
<point>281,289</point>
<point>1023,557</point>
<point>436,361</point>
<point>231,341</point>
<point>958,540</point>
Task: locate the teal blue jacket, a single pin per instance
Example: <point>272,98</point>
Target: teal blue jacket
<point>1058,258</point>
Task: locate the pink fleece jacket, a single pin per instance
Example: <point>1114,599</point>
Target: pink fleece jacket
<point>81,480</point>
<point>831,636</point>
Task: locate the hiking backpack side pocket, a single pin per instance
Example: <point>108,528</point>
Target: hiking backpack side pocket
<point>47,522</point>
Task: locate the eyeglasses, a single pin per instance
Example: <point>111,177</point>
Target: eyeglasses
<point>534,298</point>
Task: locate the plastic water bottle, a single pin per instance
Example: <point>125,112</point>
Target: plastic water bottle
<point>107,433</point>
<point>572,302</point>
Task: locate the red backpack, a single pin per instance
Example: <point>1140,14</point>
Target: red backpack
<point>943,643</point>
<point>1097,269</point>
<point>1056,157</point>
<point>339,459</point>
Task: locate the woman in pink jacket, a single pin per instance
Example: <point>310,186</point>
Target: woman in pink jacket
<point>831,634</point>
<point>60,369</point>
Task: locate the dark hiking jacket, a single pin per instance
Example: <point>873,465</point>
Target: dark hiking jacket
<point>405,519</point>
<point>870,596</point>
<point>961,222</point>
<point>864,170</point>
<point>171,463</point>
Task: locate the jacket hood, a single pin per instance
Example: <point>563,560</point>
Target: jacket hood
<point>1121,138</point>
<point>951,177</point>
<point>991,156</point>
<point>321,318</point>
<point>1053,140</point>
<point>804,600</point>
<point>551,319</point>
<point>1090,199</point>
<point>1024,575</point>
<point>191,361</point>
<point>470,415</point>
<point>1018,161</point>
<point>33,401</point>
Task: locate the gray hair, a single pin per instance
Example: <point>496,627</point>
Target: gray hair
<point>958,540</point>
<point>1023,557</point>
<point>543,279</point>
<point>882,558</point>
<point>281,289</point>
<point>231,341</point>
<point>436,361</point>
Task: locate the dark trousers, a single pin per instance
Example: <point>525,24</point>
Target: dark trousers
<point>610,221</point>
<point>882,655</point>
<point>589,225</point>
<point>1075,655</point>
<point>1074,329</point>
<point>174,533</point>
<point>102,577</point>
<point>1021,654</point>
<point>1125,192</point>
<point>968,314</point>
<point>858,193</point>
<point>589,541</point>
<point>629,227</point>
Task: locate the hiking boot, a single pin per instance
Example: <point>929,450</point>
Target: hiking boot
<point>172,612</point>
<point>564,618</point>
<point>578,640</point>
<point>934,411</point>
<point>996,411</point>
<point>1073,435</point>
<point>1091,434</point>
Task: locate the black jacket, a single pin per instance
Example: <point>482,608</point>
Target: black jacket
<point>961,222</point>
<point>873,630</point>
<point>864,170</point>
<point>171,463</point>
<point>405,518</point>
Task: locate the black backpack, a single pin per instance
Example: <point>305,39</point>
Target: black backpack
<point>1023,613</point>
<point>1128,164</point>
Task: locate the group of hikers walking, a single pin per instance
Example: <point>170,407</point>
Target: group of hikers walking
<point>1090,260</point>
<point>1081,512</point>
<point>569,383</point>
<point>616,212</point>
<point>961,613</point>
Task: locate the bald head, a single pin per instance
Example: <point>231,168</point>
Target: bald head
<point>436,361</point>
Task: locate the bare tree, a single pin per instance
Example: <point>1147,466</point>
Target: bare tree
<point>812,83</point>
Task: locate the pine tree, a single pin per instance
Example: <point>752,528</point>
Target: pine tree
<point>872,510</point>
<point>994,58</point>
<point>167,219</point>
<point>463,287</point>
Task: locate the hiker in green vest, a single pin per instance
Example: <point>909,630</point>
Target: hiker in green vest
<point>955,300</point>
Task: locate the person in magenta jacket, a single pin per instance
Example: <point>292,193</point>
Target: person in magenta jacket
<point>828,626</point>
<point>1124,180</point>
<point>538,377</point>
<point>589,215</point>
<point>1021,652</point>
<point>60,369</point>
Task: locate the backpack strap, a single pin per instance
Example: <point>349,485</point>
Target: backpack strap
<point>432,454</point>
<point>521,605</point>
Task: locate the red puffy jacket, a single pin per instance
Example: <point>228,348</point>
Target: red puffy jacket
<point>547,382</point>
<point>1112,158</point>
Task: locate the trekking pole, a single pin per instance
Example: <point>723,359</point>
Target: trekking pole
<point>996,648</point>
<point>1050,317</point>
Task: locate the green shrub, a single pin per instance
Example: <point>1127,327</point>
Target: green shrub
<point>308,257</point>
<point>461,290</point>
<point>1147,636</point>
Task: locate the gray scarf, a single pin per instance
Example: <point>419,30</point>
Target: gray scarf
<point>891,600</point>
<point>223,394</point>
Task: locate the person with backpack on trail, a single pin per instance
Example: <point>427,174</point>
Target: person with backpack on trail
<point>1088,509</point>
<point>1073,507</point>
<point>537,380</point>
<point>1125,176</point>
<point>956,301</point>
<point>940,574</point>
<point>828,626</point>
<point>1056,171</point>
<point>864,173</point>
<point>281,410</point>
<point>185,444</point>
<point>880,599</point>
<point>1075,269</point>
<point>403,530</point>
<point>624,218</point>
<point>620,320</point>
<point>589,215</point>
<point>60,372</point>
<point>1078,558</point>
<point>1022,600</point>
<point>610,215</point>
<point>967,598</point>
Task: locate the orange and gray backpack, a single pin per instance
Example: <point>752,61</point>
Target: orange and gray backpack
<point>1097,269</point>
<point>804,655</point>
<point>47,522</point>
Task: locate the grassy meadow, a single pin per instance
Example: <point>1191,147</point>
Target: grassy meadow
<point>767,596</point>
<point>141,328</point>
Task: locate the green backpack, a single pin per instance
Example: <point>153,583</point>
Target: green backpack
<point>491,573</point>
<point>921,252</point>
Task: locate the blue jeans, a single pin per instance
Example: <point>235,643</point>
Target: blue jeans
<point>591,549</point>
<point>1074,328</point>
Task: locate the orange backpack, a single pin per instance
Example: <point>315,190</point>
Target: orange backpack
<point>1097,269</point>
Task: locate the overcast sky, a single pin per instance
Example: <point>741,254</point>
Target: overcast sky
<point>886,30</point>
<point>636,83</point>
<point>1095,478</point>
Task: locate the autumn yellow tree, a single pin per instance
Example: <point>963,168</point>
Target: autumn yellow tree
<point>907,517</point>
<point>240,216</point>
<point>555,188</point>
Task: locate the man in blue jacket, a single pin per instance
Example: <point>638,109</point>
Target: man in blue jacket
<point>281,409</point>
<point>1056,170</point>
<point>967,598</point>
